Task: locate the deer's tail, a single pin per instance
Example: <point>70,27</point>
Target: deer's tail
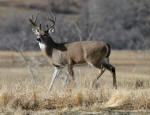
<point>108,50</point>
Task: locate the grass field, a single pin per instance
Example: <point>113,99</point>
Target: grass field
<point>19,96</point>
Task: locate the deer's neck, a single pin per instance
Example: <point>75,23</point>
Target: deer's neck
<point>51,46</point>
<point>42,46</point>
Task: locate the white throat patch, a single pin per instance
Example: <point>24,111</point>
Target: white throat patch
<point>42,46</point>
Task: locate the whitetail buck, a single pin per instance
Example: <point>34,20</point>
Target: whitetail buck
<point>95,53</point>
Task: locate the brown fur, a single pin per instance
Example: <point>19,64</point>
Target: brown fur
<point>92,52</point>
<point>95,53</point>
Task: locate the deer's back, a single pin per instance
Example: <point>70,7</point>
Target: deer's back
<point>84,51</point>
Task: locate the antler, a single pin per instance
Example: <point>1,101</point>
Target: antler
<point>51,20</point>
<point>33,21</point>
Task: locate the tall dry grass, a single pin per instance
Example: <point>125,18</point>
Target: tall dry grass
<point>18,94</point>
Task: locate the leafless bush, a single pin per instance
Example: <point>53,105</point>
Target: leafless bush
<point>64,31</point>
<point>124,24</point>
<point>139,84</point>
<point>16,32</point>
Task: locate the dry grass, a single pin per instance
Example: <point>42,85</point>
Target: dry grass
<point>18,96</point>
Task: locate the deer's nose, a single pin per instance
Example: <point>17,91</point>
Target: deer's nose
<point>38,39</point>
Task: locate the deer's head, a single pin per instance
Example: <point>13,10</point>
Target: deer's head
<point>42,36</point>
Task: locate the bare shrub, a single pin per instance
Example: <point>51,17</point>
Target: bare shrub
<point>124,24</point>
<point>139,84</point>
<point>16,32</point>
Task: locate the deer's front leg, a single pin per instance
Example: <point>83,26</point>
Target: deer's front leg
<point>70,70</point>
<point>65,79</point>
<point>55,76</point>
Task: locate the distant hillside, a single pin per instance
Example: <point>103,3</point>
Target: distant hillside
<point>124,24</point>
<point>56,6</point>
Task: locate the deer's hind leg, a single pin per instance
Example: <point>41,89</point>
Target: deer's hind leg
<point>100,74</point>
<point>70,70</point>
<point>102,70</point>
<point>113,71</point>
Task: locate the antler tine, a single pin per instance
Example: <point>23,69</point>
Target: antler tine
<point>53,15</point>
<point>32,21</point>
<point>52,20</point>
<point>40,26</point>
<point>47,26</point>
<point>36,17</point>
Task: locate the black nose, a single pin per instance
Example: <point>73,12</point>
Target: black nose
<point>38,39</point>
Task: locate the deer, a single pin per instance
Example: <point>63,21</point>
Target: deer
<point>95,53</point>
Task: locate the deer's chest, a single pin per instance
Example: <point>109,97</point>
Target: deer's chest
<point>42,47</point>
<point>58,58</point>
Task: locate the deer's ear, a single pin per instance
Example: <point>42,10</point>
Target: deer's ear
<point>51,30</point>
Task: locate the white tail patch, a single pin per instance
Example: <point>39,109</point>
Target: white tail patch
<point>42,46</point>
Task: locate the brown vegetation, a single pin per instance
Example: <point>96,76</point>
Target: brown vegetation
<point>17,94</point>
<point>123,24</point>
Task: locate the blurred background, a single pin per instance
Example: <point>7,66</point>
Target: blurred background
<point>125,24</point>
